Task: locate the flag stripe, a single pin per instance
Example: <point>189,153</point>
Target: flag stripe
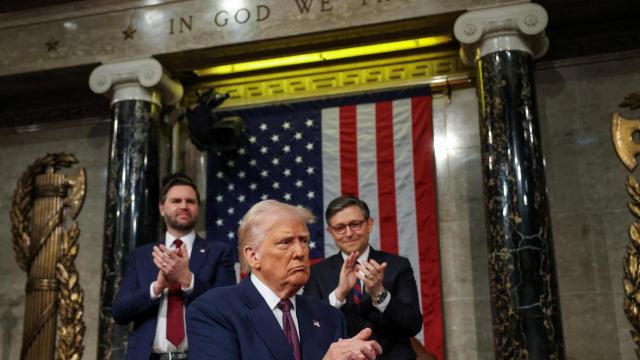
<point>367,169</point>
<point>330,166</point>
<point>406,210</point>
<point>423,172</point>
<point>348,151</point>
<point>386,180</point>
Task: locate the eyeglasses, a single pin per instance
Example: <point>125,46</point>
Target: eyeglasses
<point>354,226</point>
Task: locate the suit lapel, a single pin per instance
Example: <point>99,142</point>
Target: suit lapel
<point>264,322</point>
<point>198,254</point>
<point>335,265</point>
<point>308,328</point>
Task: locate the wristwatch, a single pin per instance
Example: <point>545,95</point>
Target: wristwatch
<point>381,296</point>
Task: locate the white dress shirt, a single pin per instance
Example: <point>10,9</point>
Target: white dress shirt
<point>160,342</point>
<point>333,300</point>
<point>272,301</point>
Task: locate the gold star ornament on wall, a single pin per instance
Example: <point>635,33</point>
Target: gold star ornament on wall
<point>128,32</point>
<point>52,45</point>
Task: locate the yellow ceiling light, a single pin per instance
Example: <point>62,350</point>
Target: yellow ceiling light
<point>324,55</point>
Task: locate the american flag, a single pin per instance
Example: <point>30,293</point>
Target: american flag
<point>376,146</point>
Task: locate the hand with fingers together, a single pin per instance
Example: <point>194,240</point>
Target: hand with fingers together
<point>372,275</point>
<point>355,348</point>
<point>173,266</point>
<point>348,276</point>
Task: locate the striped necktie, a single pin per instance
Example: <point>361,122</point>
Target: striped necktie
<point>357,292</point>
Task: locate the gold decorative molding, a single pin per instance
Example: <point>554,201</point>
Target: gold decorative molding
<point>622,131</point>
<point>44,201</point>
<point>631,277</point>
<point>441,69</point>
<point>622,134</point>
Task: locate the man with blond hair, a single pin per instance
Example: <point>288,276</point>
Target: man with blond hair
<point>262,317</point>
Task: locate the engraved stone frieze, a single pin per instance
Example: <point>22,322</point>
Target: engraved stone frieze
<point>107,33</point>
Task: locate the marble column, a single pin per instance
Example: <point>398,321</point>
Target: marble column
<point>502,42</point>
<point>138,88</point>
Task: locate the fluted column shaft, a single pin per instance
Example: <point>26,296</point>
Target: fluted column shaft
<point>137,88</point>
<point>502,43</point>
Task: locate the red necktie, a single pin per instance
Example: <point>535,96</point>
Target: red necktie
<point>175,309</point>
<point>289,328</point>
<point>357,292</point>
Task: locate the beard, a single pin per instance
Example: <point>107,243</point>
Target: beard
<point>183,226</point>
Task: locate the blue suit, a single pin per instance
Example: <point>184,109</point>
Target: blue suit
<point>401,319</point>
<point>211,264</point>
<point>235,322</point>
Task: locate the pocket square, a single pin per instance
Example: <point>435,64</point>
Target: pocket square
<point>316,323</point>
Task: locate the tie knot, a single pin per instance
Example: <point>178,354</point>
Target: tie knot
<point>285,305</point>
<point>177,243</point>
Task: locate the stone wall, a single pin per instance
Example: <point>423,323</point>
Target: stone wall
<point>90,144</point>
<point>588,199</point>
<point>588,209</point>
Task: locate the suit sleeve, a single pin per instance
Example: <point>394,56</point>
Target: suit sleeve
<point>403,311</point>
<point>132,298</point>
<point>223,273</point>
<point>210,335</point>
<point>312,288</point>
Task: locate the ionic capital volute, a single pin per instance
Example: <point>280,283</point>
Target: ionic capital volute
<point>140,79</point>
<point>517,26</point>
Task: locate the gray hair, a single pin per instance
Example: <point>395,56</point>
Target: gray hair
<point>260,219</point>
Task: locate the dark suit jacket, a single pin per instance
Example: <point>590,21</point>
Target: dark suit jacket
<point>211,267</point>
<point>401,319</point>
<point>235,322</point>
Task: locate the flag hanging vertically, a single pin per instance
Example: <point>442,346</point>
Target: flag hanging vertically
<point>378,147</point>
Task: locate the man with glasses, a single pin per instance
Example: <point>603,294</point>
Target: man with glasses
<point>372,288</point>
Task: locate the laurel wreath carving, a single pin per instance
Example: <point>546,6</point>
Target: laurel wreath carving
<point>631,276</point>
<point>71,327</point>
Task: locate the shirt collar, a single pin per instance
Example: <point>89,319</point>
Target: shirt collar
<point>187,240</point>
<point>269,296</point>
<point>362,258</point>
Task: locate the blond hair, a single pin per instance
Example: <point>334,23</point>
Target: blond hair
<point>260,219</point>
